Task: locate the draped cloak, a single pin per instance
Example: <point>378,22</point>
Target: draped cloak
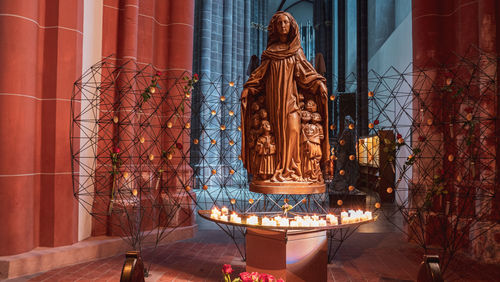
<point>283,73</point>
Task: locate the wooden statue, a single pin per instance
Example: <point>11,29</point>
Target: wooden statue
<point>274,87</point>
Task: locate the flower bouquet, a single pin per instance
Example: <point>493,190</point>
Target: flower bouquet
<point>247,276</point>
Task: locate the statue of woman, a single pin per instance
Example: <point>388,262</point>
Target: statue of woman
<point>282,74</point>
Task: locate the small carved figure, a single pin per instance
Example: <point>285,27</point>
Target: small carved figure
<point>255,132</point>
<point>266,150</point>
<point>263,114</point>
<point>312,137</point>
<point>311,106</point>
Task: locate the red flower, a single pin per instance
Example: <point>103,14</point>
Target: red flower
<point>399,136</point>
<point>195,76</point>
<point>117,150</point>
<point>376,122</point>
<point>246,277</point>
<point>227,269</point>
<point>179,146</point>
<point>421,138</point>
<point>280,280</point>
<point>158,73</point>
<point>266,277</point>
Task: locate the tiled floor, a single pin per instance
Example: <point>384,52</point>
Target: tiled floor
<point>374,253</point>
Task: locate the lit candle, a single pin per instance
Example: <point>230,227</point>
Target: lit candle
<point>332,219</point>
<point>223,217</point>
<point>283,222</point>
<point>368,215</point>
<point>344,214</point>
<point>314,223</point>
<point>224,210</point>
<point>315,217</point>
<point>215,213</point>
<point>266,221</point>
<point>294,223</point>
<point>235,218</point>
<point>307,222</point>
<point>253,220</point>
<point>322,222</point>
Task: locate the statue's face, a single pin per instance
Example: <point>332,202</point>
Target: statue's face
<point>266,125</point>
<point>283,25</point>
<point>316,117</point>
<point>256,122</point>
<point>306,116</point>
<point>311,106</point>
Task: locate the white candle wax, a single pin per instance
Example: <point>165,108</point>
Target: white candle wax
<point>224,210</point>
<point>322,222</point>
<point>283,222</point>
<point>253,220</point>
<point>223,217</point>
<point>266,221</point>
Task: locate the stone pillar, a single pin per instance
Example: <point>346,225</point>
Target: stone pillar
<point>19,104</point>
<point>40,44</point>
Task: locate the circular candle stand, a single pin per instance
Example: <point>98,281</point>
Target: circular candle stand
<point>292,245</point>
<point>206,215</point>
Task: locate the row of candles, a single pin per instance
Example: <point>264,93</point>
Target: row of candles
<point>350,216</point>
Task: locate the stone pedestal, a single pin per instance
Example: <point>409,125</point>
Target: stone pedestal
<point>291,255</point>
